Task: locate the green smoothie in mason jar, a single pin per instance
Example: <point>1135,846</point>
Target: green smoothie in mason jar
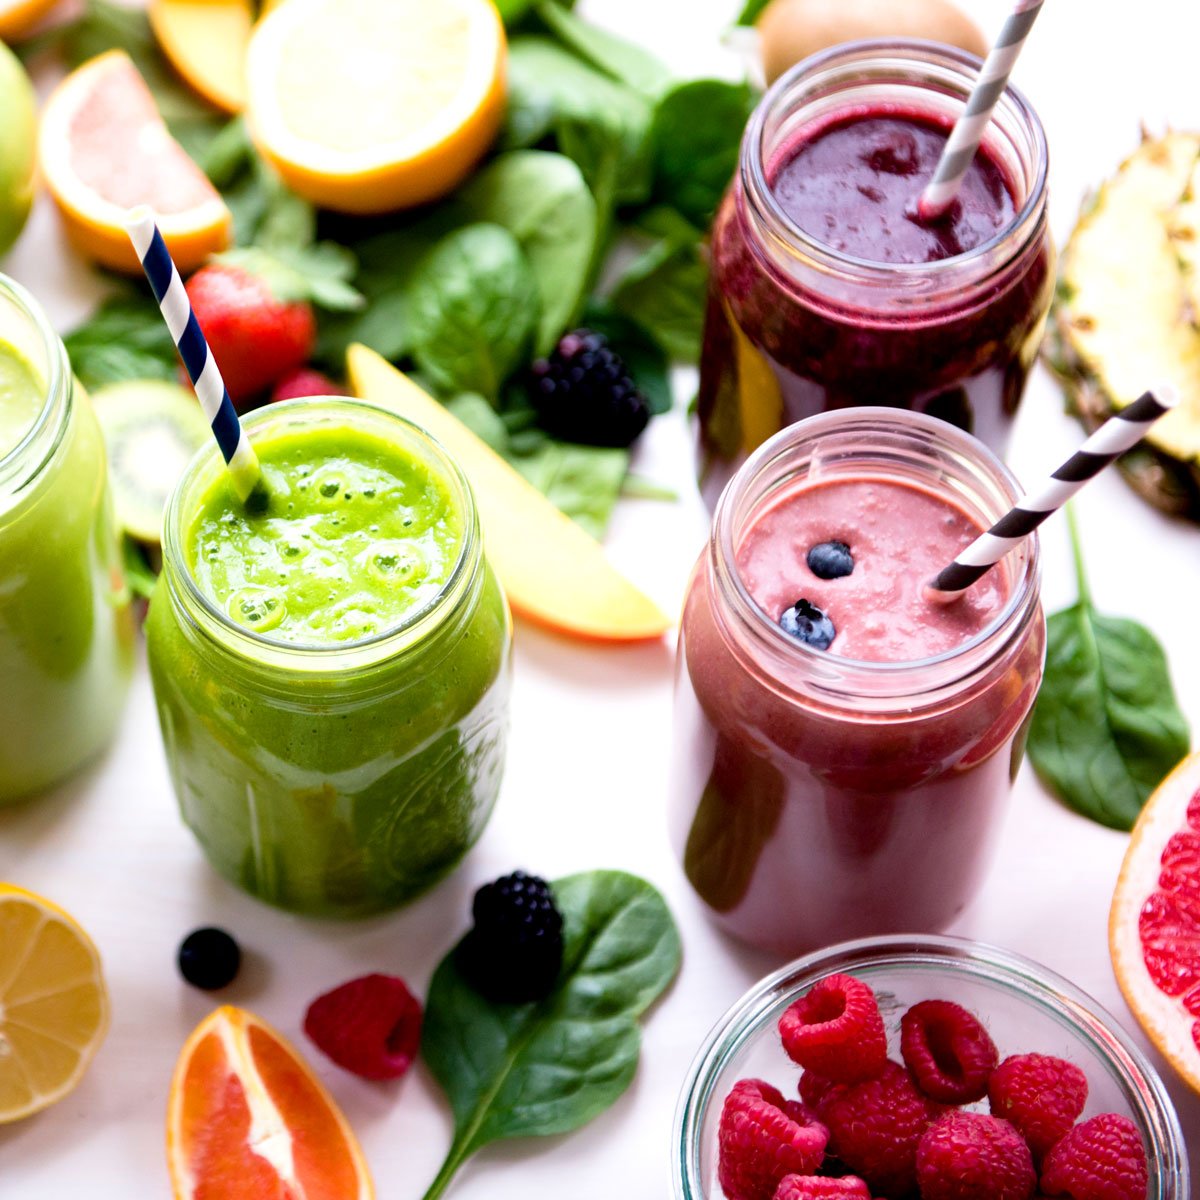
<point>332,671</point>
<point>66,633</point>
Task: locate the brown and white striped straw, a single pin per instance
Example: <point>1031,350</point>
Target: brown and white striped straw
<point>1118,434</point>
<point>967,133</point>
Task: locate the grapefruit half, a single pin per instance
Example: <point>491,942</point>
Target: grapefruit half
<point>247,1118</point>
<point>104,149</point>
<point>1154,923</point>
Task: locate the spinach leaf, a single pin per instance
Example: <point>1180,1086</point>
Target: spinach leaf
<point>472,309</point>
<point>602,125</point>
<point>752,11</point>
<point>642,355</point>
<point>543,201</point>
<point>623,60</point>
<point>665,288</point>
<point>481,419</point>
<point>140,576</point>
<point>1106,728</point>
<point>125,338</point>
<point>582,481</point>
<point>697,134</point>
<point>512,11</point>
<point>531,1070</point>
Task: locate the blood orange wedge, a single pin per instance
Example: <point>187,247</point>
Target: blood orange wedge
<point>53,1003</point>
<point>1154,923</point>
<point>104,149</point>
<point>248,1120</point>
<point>366,106</point>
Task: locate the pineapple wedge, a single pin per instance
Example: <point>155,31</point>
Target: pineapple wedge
<point>1124,314</point>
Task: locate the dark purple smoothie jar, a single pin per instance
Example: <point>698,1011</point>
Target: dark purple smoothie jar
<point>797,326</point>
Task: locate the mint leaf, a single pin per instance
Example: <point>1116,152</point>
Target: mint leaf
<point>319,274</point>
<point>125,338</point>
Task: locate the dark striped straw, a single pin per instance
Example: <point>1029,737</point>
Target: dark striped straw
<point>1109,442</point>
<point>198,361</point>
<point>967,133</point>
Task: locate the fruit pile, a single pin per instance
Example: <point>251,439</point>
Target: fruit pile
<point>866,1126</point>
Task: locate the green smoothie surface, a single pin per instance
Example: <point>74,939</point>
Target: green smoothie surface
<point>358,534</point>
<point>21,397</point>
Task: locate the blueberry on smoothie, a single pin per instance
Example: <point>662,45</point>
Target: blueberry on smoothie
<point>805,621</point>
<point>830,560</point>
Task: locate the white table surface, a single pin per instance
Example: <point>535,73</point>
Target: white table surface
<point>587,771</point>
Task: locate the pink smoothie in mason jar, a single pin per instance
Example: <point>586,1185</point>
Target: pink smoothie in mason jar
<point>844,748</point>
<point>826,291</point>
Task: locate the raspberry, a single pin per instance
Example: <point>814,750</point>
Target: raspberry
<point>1041,1095</point>
<point>583,393</point>
<point>971,1156</point>
<point>836,1030</point>
<point>815,1089</point>
<point>874,1128</point>
<point>514,952</point>
<point>820,1187</point>
<point>1101,1159</point>
<point>948,1051</point>
<point>370,1026</point>
<point>762,1137</point>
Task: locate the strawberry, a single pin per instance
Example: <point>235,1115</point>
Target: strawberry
<point>304,381</point>
<point>255,338</point>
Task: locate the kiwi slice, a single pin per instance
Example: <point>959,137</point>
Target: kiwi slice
<point>151,428</point>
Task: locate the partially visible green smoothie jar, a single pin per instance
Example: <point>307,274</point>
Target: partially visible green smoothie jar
<point>66,632</point>
<point>341,766</point>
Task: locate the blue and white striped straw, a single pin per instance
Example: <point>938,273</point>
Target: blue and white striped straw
<point>967,133</point>
<point>1121,432</point>
<point>197,358</point>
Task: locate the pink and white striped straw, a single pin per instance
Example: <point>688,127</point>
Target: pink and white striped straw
<point>967,133</point>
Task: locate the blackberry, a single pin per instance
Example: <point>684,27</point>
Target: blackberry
<point>583,393</point>
<point>209,958</point>
<point>514,952</point>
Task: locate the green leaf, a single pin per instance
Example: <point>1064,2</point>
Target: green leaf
<point>751,12</point>
<point>125,338</point>
<point>665,288</point>
<point>582,481</point>
<point>641,353</point>
<point>617,57</point>
<point>481,419</point>
<point>697,134</point>
<point>512,11</point>
<point>544,202</point>
<point>1106,727</point>
<point>532,1070</point>
<point>639,487</point>
<point>319,273</point>
<point>601,124</point>
<point>140,576</point>
<point>472,308</point>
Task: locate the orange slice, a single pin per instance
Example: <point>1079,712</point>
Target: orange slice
<point>53,1003</point>
<point>1154,922</point>
<point>552,571</point>
<point>247,1118</point>
<point>19,17</point>
<point>104,149</point>
<point>205,41</point>
<point>367,106</point>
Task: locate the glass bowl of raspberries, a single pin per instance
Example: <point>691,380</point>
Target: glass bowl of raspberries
<point>923,1068</point>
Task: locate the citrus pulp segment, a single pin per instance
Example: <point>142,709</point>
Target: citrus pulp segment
<point>205,41</point>
<point>53,1003</point>
<point>366,106</point>
<point>246,1117</point>
<point>1154,922</point>
<point>105,149</point>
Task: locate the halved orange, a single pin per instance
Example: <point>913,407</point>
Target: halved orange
<point>1154,922</point>
<point>104,149</point>
<point>205,41</point>
<point>248,1120</point>
<point>20,17</point>
<point>367,106</point>
<point>53,1003</point>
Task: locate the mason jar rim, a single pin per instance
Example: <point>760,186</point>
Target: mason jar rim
<point>214,621</point>
<point>17,466</point>
<point>1020,975</point>
<point>956,66</point>
<point>833,673</point>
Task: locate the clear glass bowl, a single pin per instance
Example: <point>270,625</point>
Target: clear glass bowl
<point>1025,1008</point>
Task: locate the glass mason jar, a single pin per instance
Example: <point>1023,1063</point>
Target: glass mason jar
<point>794,327</point>
<point>1024,1007</point>
<point>816,797</point>
<point>337,779</point>
<point>66,630</point>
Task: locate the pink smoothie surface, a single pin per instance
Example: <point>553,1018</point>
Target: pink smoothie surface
<point>900,535</point>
